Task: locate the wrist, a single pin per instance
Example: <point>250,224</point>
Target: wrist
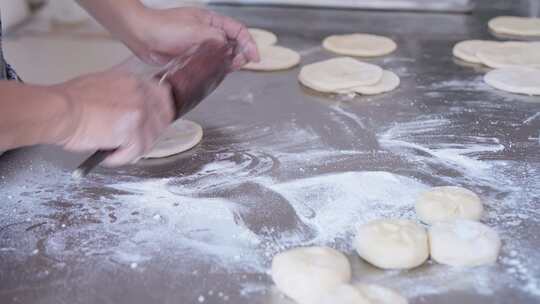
<point>66,117</point>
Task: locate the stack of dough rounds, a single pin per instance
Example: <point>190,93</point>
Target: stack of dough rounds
<point>366,45</point>
<point>511,25</point>
<point>447,203</point>
<point>345,75</point>
<point>181,136</point>
<point>466,50</point>
<point>463,243</point>
<point>273,57</point>
<point>392,244</point>
<point>511,54</point>
<point>519,80</point>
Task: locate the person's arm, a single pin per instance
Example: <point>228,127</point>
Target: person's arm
<point>32,115</point>
<point>157,35</point>
<point>106,110</point>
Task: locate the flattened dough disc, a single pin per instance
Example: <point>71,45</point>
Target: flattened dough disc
<point>359,45</point>
<point>181,136</point>
<point>511,54</point>
<point>389,82</point>
<point>339,74</point>
<point>466,50</point>
<point>511,25</point>
<point>274,58</point>
<point>263,37</point>
<point>520,80</point>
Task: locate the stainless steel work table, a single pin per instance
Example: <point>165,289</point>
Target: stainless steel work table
<point>282,166</point>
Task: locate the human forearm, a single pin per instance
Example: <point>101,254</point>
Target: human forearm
<point>32,115</point>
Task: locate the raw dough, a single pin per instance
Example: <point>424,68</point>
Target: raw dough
<point>262,37</point>
<point>359,45</point>
<point>447,203</point>
<point>274,58</point>
<point>511,54</point>
<point>466,50</point>
<point>463,243</point>
<point>305,274</point>
<point>362,294</point>
<point>511,25</point>
<point>181,136</point>
<point>520,80</point>
<point>339,74</point>
<point>392,243</point>
<point>389,82</point>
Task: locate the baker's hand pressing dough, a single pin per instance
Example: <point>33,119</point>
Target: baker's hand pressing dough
<point>392,243</point>
<point>511,25</point>
<point>359,45</point>
<point>339,74</point>
<point>447,203</point>
<point>466,50</point>
<point>362,294</point>
<point>305,274</point>
<point>520,80</point>
<point>274,58</point>
<point>463,243</point>
<point>262,37</point>
<point>511,54</point>
<point>181,136</point>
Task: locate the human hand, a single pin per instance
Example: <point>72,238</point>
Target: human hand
<point>115,110</point>
<point>159,35</point>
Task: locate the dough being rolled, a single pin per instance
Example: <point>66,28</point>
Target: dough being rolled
<point>181,136</point>
<point>359,45</point>
<point>263,37</point>
<point>520,80</point>
<point>274,58</point>
<point>512,25</point>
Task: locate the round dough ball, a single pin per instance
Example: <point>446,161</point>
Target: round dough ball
<point>463,243</point>
<point>389,82</point>
<point>274,58</point>
<point>339,74</point>
<point>520,80</point>
<point>181,136</point>
<point>522,26</point>
<point>377,294</point>
<point>447,203</point>
<point>305,274</point>
<point>359,45</point>
<point>262,37</point>
<point>466,50</point>
<point>392,243</point>
<point>511,54</point>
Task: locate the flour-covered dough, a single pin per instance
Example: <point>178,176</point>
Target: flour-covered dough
<point>339,74</point>
<point>262,37</point>
<point>389,82</point>
<point>305,274</point>
<point>511,25</point>
<point>359,45</point>
<point>463,243</point>
<point>274,58</point>
<point>511,54</point>
<point>466,50</point>
<point>392,243</point>
<point>520,80</point>
<point>447,203</point>
<point>181,136</point>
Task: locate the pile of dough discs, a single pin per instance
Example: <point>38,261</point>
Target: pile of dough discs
<point>517,63</point>
<point>180,136</point>
<point>322,275</point>
<point>454,238</point>
<point>512,25</point>
<point>347,75</point>
<point>365,45</point>
<point>273,57</point>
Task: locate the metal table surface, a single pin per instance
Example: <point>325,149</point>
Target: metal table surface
<point>283,166</point>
